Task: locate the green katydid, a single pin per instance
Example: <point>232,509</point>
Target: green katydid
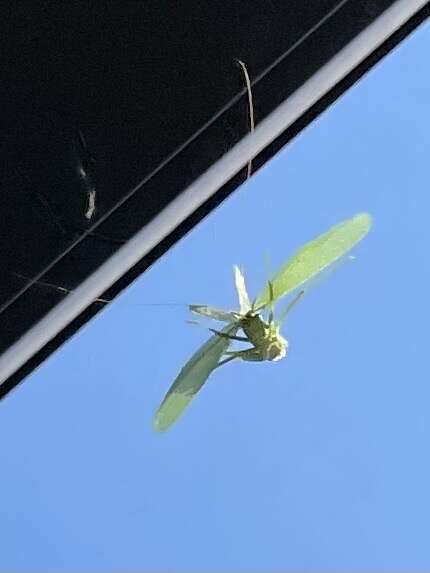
<point>262,333</point>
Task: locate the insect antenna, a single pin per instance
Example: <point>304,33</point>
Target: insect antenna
<point>58,288</point>
<point>250,110</point>
<point>100,300</point>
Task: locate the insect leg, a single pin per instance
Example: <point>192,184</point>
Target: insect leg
<point>270,303</point>
<point>251,354</point>
<point>271,299</point>
<point>229,336</point>
<point>290,306</point>
<point>228,359</point>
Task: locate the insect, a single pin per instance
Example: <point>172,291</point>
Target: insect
<point>261,332</point>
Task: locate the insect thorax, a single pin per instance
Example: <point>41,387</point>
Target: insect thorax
<point>264,336</point>
<point>254,327</point>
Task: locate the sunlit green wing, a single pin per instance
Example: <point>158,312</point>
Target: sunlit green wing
<point>242,293</point>
<point>211,312</point>
<point>191,378</point>
<point>317,255</point>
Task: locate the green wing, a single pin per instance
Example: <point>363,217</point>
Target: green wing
<point>316,255</point>
<point>191,378</point>
<point>211,312</point>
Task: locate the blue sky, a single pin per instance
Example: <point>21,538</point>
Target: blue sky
<point>316,462</point>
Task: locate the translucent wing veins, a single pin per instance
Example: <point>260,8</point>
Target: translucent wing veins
<point>191,378</point>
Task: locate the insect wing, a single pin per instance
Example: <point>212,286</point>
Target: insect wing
<point>316,256</point>
<point>210,312</point>
<point>191,378</point>
<point>242,293</point>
